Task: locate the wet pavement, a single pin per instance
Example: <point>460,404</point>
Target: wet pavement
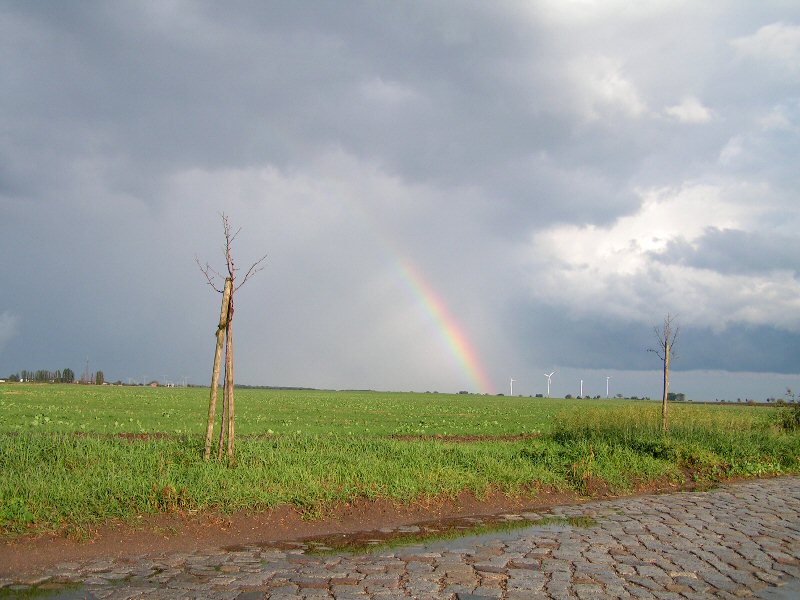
<point>739,540</point>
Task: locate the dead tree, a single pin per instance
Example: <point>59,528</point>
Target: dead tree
<point>224,332</point>
<point>665,338</point>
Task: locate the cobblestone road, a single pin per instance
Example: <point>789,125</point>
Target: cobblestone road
<point>736,541</point>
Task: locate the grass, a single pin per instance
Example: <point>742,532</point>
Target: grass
<point>711,440</point>
<point>314,450</point>
<point>178,411</point>
<point>71,477</point>
<point>35,592</point>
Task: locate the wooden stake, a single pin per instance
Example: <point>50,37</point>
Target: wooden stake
<point>229,381</point>
<point>212,404</point>
<point>667,350</point>
<point>223,422</point>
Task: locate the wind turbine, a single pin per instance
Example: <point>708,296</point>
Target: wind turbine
<point>548,382</point>
<point>512,386</point>
<point>607,378</point>
<point>581,396</point>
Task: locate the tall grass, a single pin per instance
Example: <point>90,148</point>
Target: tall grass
<point>716,442</point>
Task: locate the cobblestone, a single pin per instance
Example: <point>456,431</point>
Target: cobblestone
<point>742,540</point>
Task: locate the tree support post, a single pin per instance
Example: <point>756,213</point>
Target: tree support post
<point>221,328</point>
<point>224,333</point>
<point>664,403</point>
<point>229,381</point>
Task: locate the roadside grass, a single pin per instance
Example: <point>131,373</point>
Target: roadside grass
<point>712,442</point>
<point>336,448</point>
<point>69,479</point>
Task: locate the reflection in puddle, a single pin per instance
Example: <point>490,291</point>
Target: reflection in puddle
<point>428,533</point>
<point>50,591</point>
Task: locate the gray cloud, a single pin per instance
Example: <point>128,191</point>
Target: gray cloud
<point>514,154</point>
<point>737,252</point>
<point>551,337</point>
<point>8,327</point>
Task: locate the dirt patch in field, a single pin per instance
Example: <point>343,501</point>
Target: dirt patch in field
<point>596,487</point>
<point>403,437</point>
<point>130,436</point>
<point>183,532</point>
<point>136,437</point>
<point>517,437</point>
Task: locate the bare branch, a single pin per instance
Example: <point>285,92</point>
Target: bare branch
<point>672,342</point>
<point>228,244</point>
<point>207,271</point>
<point>227,226</point>
<point>233,237</point>
<point>666,337</point>
<point>254,268</point>
<point>211,274</point>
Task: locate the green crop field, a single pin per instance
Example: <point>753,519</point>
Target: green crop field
<point>110,409</point>
<point>66,461</point>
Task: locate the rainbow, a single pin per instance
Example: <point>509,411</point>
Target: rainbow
<point>448,327</point>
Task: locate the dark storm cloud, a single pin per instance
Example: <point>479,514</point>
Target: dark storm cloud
<point>548,336</point>
<point>737,252</point>
<point>149,89</point>
<point>470,140</point>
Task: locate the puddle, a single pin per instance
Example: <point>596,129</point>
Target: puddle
<point>437,534</point>
<point>428,533</point>
<point>49,591</point>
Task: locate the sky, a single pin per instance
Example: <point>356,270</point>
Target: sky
<point>449,194</point>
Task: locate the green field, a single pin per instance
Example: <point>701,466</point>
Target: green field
<point>116,409</point>
<point>64,464</point>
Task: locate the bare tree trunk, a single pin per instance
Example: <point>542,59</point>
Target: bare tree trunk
<point>229,380</point>
<point>664,424</point>
<point>212,405</point>
<point>666,337</point>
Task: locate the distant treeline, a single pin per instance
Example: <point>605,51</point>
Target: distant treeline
<point>44,376</point>
<point>58,376</point>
